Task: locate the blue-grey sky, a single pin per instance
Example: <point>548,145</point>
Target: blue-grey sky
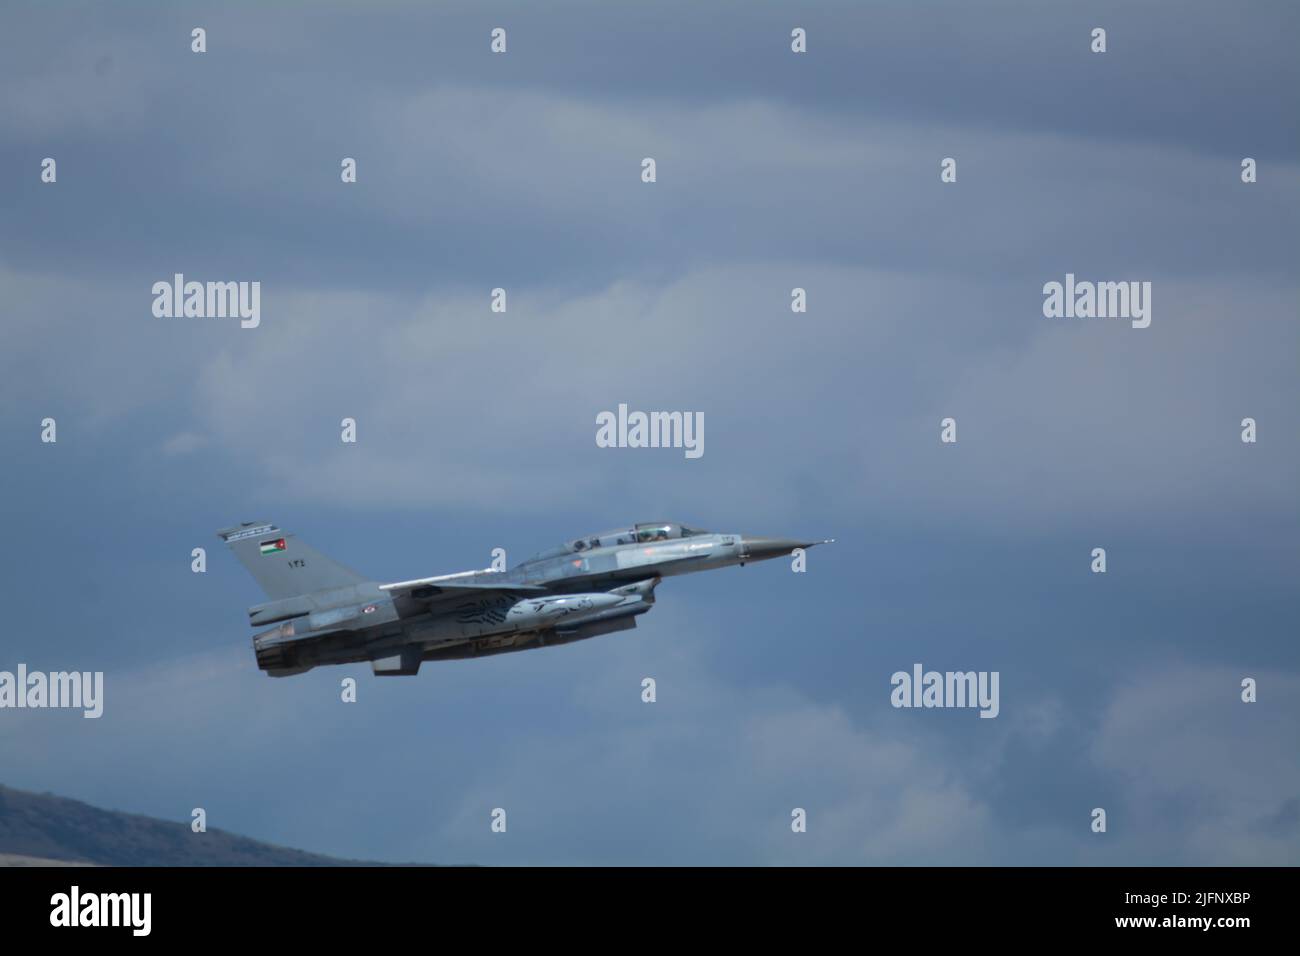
<point>476,430</point>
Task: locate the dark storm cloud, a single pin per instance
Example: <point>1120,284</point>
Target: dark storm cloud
<point>240,159</point>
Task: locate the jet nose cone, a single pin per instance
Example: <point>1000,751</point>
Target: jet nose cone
<point>760,549</point>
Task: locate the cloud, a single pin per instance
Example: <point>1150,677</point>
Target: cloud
<point>924,302</point>
<point>709,772</point>
<point>183,443</point>
<point>712,771</point>
<point>1208,778</point>
<point>450,398</point>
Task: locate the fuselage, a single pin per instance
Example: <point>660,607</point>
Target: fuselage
<point>581,563</point>
<point>585,587</point>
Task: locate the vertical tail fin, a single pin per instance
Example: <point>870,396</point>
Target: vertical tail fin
<point>281,563</point>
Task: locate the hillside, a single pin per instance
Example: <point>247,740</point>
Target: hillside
<point>40,829</point>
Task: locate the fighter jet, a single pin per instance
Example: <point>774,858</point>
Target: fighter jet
<point>325,613</point>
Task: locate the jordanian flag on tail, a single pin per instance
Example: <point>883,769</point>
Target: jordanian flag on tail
<point>271,547</point>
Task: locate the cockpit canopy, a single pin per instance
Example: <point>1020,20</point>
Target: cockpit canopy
<point>637,534</point>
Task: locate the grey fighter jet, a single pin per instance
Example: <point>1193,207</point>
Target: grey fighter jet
<point>325,613</point>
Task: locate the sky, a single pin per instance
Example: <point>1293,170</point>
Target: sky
<point>476,430</point>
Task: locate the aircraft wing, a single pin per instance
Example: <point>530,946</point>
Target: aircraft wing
<point>446,586</point>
